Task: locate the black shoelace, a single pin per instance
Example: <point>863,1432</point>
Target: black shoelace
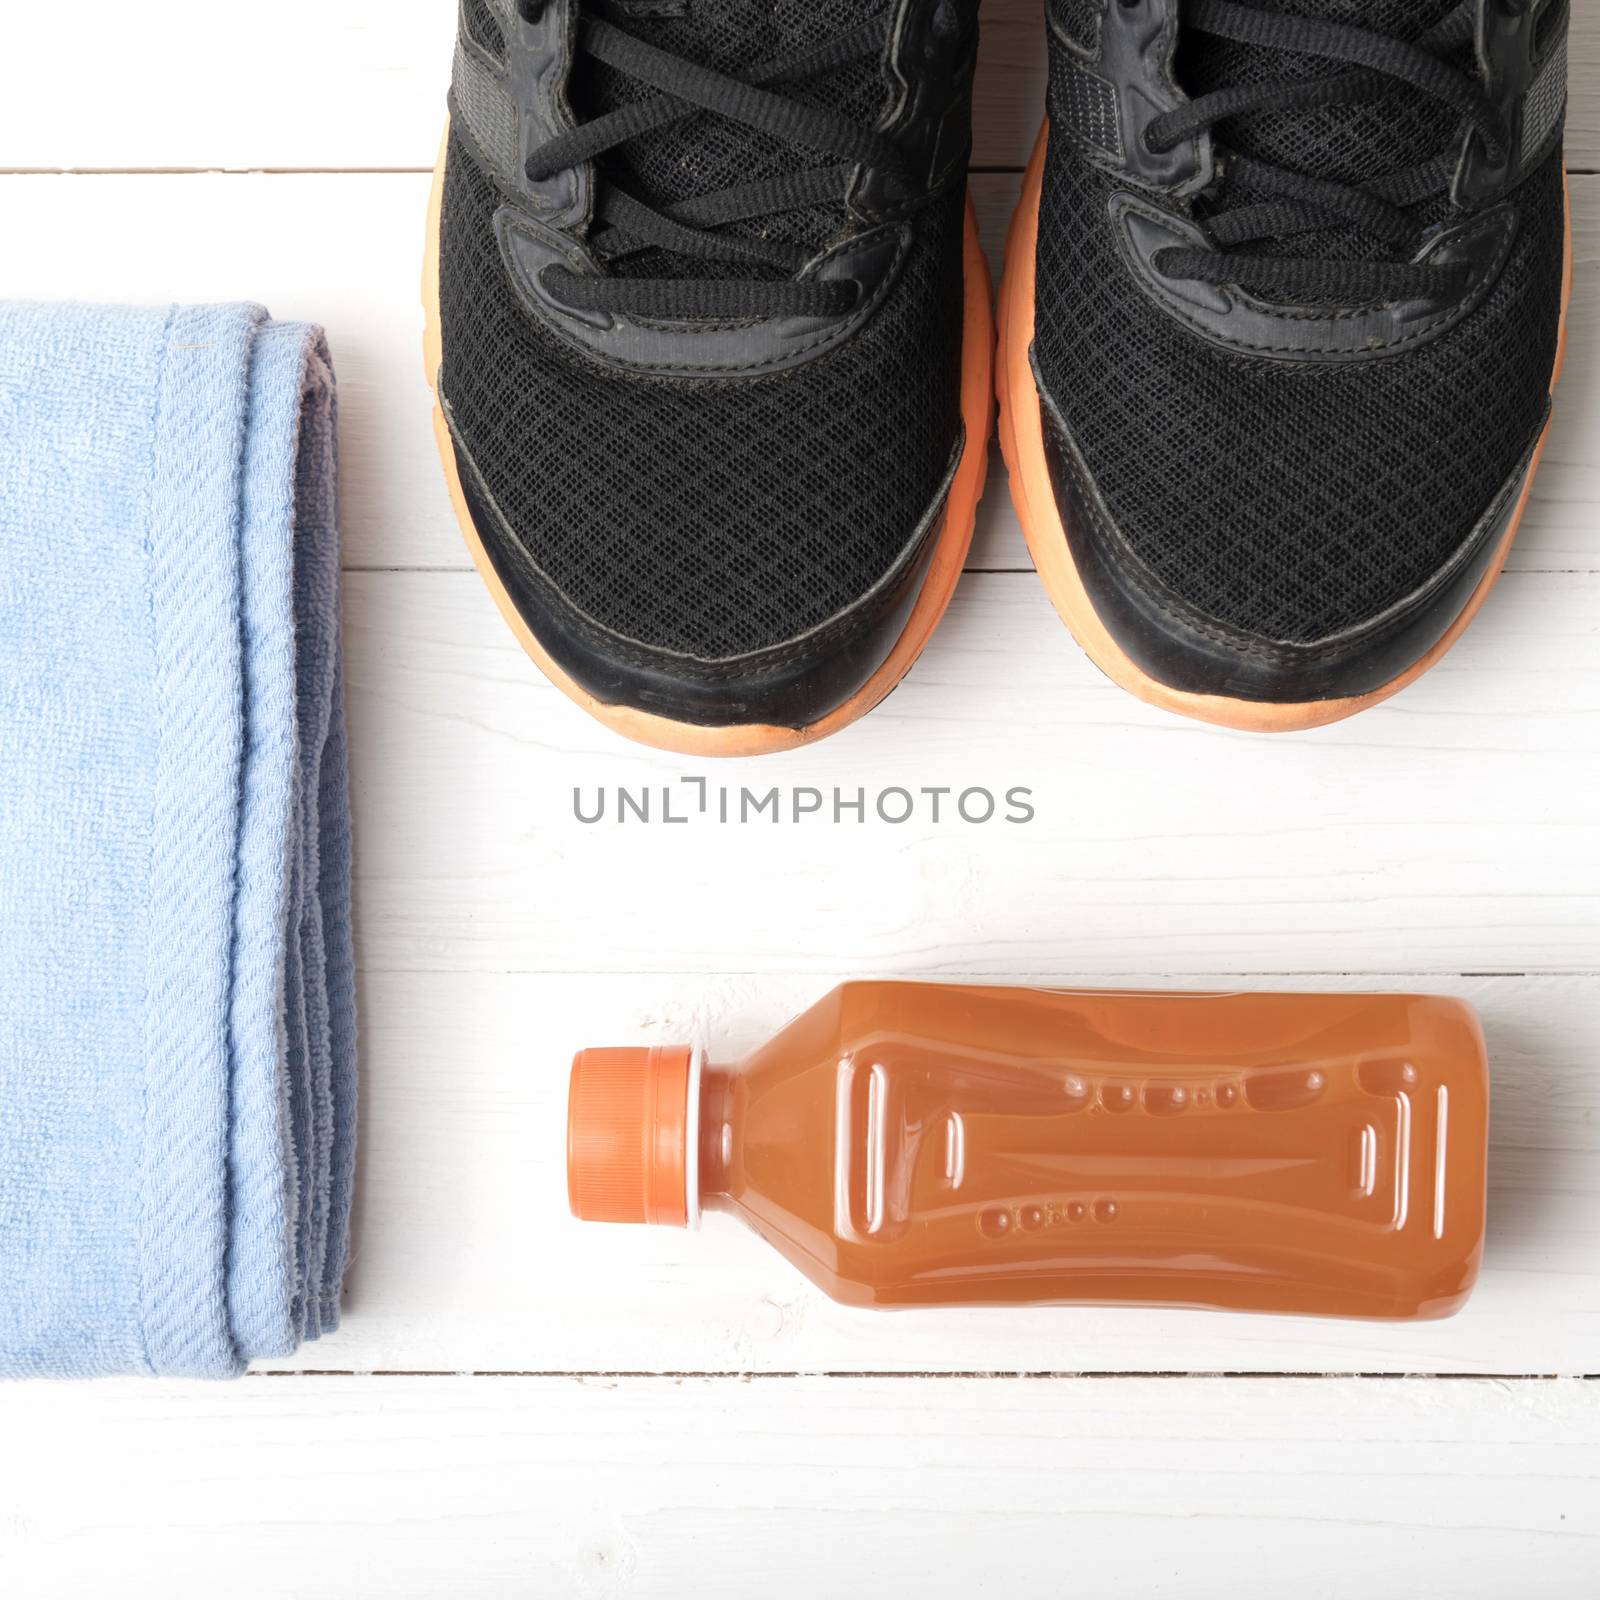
<point>1283,203</point>
<point>627,223</point>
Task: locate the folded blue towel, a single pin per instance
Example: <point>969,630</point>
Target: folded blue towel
<point>177,1016</point>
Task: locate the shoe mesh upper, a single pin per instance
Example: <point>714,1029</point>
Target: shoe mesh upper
<point>712,517</point>
<point>484,27</point>
<point>1291,500</point>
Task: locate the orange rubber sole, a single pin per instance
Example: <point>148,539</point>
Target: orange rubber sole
<point>1022,443</point>
<point>954,537</point>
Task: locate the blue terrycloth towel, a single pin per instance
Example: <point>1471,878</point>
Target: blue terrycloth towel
<point>177,1016</point>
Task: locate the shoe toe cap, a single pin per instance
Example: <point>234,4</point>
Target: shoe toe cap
<point>685,668</point>
<point>1189,648</point>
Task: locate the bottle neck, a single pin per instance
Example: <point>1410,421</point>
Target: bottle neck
<point>713,1135</point>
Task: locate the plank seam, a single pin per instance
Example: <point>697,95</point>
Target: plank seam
<point>869,1375</point>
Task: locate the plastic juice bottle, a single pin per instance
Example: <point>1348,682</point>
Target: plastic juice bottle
<point>940,1144</point>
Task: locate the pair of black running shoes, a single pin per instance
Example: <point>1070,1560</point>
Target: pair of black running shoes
<point>715,358</point>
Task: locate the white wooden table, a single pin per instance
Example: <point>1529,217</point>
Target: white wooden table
<point>520,1405</point>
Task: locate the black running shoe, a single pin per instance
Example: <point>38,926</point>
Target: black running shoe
<point>1284,306</point>
<point>711,342</point>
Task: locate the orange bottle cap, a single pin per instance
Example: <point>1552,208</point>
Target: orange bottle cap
<point>628,1119</point>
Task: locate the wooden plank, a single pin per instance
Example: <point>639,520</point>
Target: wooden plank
<point>347,85</point>
<point>482,1488</point>
<point>466,1257</point>
<point>1453,829</point>
<point>345,251</point>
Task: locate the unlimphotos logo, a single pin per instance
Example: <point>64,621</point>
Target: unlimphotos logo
<point>691,800</point>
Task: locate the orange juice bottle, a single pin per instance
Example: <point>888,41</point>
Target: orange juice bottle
<point>943,1144</point>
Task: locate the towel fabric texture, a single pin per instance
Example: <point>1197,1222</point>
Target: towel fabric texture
<point>177,1008</point>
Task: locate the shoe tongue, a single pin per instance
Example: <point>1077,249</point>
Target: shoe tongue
<point>1344,144</point>
<point>702,153</point>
